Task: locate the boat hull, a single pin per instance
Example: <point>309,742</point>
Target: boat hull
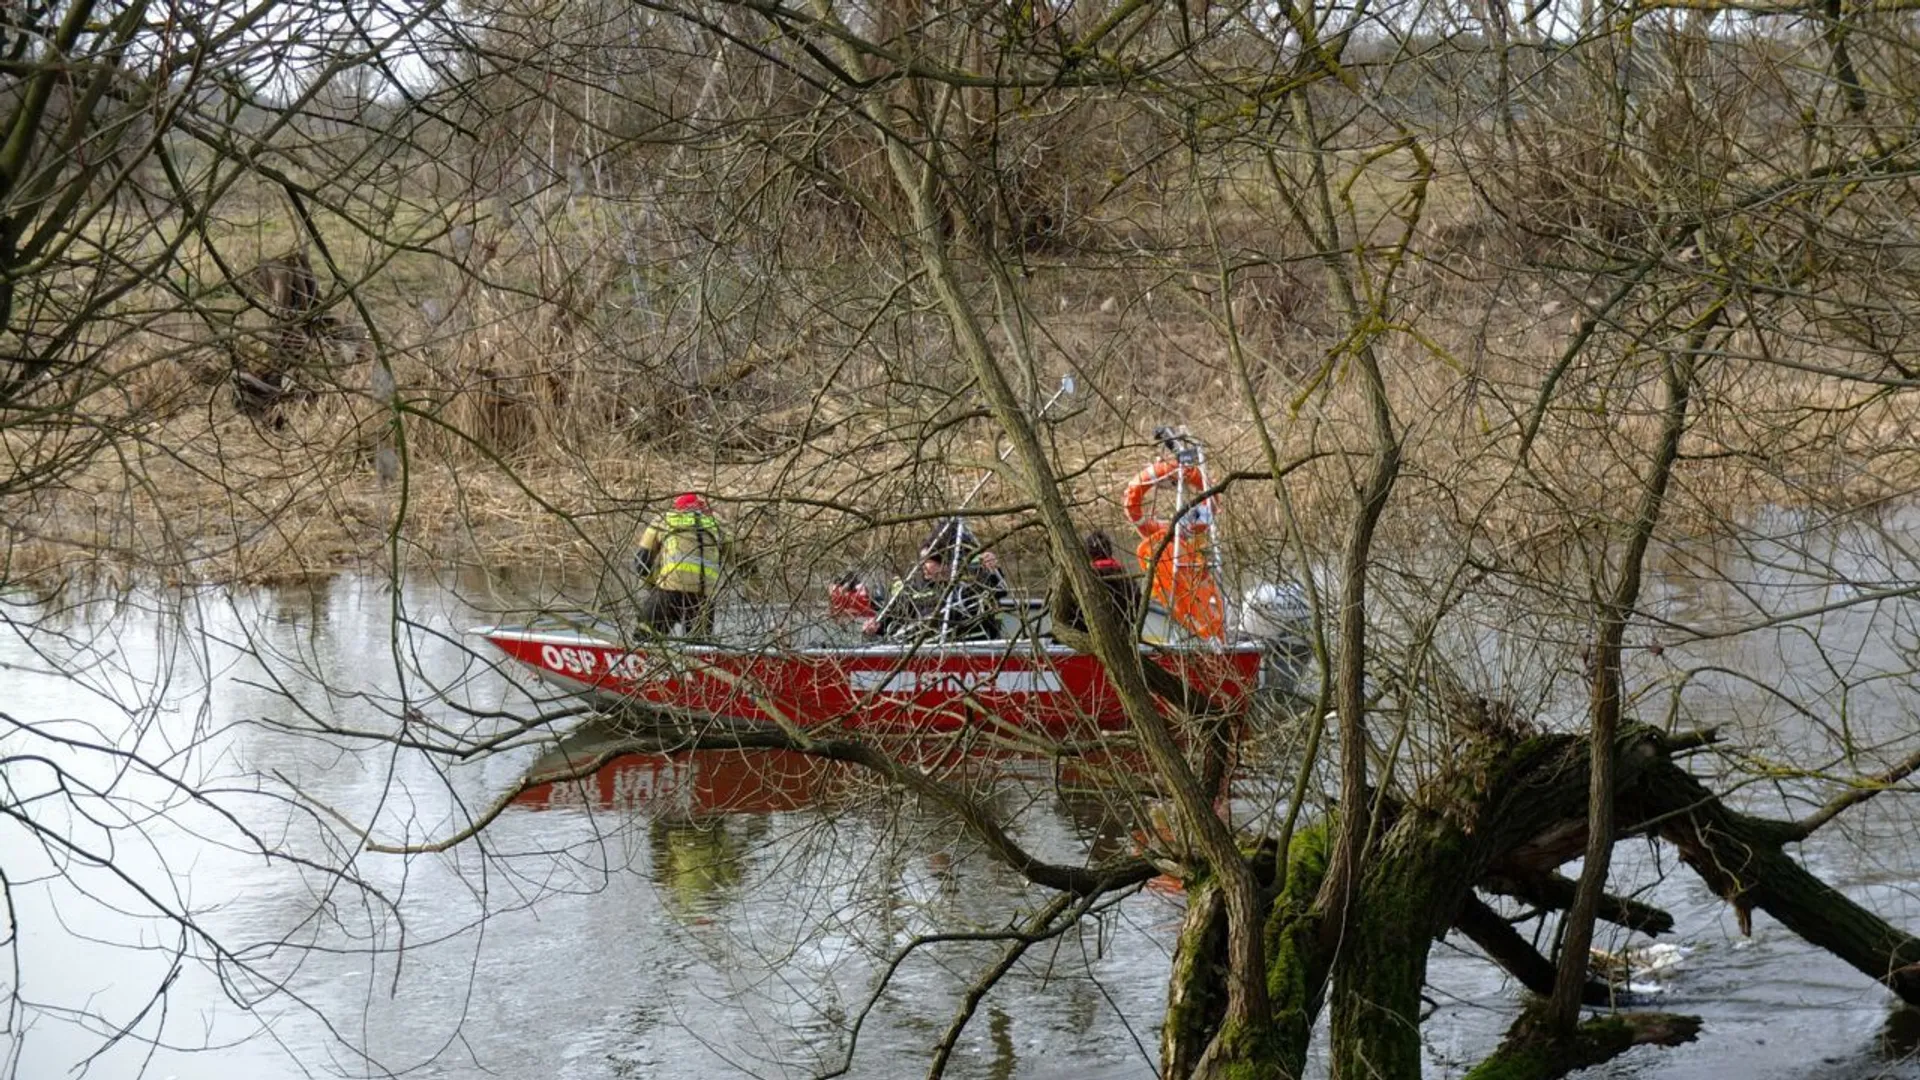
<point>1019,685</point>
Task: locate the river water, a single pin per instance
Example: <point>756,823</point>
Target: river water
<point>187,780</point>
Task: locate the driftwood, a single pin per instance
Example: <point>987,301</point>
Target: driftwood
<point>302,338</point>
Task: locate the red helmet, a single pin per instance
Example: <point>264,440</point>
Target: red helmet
<point>689,501</point>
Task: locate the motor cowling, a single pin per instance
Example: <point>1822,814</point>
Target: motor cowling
<point>1272,609</point>
<point>1279,615</point>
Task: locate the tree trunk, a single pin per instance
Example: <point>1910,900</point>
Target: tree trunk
<point>1195,1004</point>
<point>1504,946</point>
<point>1412,890</point>
<point>1297,961</point>
<point>1419,877</point>
<point>1195,1041</point>
<point>1740,859</point>
<point>1531,1052</point>
<point>1497,801</point>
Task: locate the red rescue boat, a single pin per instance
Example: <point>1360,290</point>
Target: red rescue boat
<point>1020,684</point>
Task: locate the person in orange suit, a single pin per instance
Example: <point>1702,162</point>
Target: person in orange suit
<point>1175,553</point>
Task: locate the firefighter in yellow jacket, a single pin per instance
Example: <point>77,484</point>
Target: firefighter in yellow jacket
<point>680,558</point>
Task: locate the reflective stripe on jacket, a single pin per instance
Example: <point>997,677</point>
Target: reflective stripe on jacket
<point>686,545</point>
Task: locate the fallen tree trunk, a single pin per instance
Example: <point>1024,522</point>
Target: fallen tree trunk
<point>1549,890</point>
<point>1740,858</point>
<point>1440,845</point>
<point>1529,1053</point>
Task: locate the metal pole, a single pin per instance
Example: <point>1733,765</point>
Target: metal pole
<point>1179,526</point>
<point>1187,450</point>
<point>1066,390</point>
<point>1215,562</point>
<point>953,563</point>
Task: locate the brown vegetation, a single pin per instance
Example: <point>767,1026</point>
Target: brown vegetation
<point>1486,317</point>
<point>595,442</point>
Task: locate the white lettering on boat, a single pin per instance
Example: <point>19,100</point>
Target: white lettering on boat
<point>645,783</point>
<point>587,660</point>
<point>623,665</point>
<point>654,781</point>
<point>955,682</point>
<point>568,661</point>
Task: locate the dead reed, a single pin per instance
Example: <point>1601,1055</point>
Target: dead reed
<point>507,431</point>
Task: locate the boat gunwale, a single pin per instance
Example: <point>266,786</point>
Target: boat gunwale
<point>996,647</point>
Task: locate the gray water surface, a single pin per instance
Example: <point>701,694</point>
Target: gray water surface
<point>201,905</point>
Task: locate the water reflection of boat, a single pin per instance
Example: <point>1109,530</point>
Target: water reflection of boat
<point>595,767</point>
<point>684,784</point>
<point>699,863</point>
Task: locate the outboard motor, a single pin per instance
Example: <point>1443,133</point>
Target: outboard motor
<point>1280,617</point>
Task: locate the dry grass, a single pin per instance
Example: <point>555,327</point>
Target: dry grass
<point>539,432</point>
<point>496,480</point>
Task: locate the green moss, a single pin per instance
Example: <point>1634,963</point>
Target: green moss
<point>1252,1054</point>
<point>1296,969</point>
<point>1197,997</point>
<point>1296,972</point>
<point>1515,1064</point>
<point>1307,858</point>
<point>1530,1053</point>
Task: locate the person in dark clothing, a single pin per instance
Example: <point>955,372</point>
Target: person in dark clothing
<point>955,594</point>
<point>953,540</point>
<point>1122,590</point>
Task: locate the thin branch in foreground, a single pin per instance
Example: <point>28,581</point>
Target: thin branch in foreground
<point>1041,927</point>
<point>1504,946</point>
<point>1860,791</point>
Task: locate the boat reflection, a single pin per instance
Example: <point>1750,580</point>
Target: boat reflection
<point>1101,795</point>
<point>699,863</point>
<point>704,810</point>
<point>688,785</point>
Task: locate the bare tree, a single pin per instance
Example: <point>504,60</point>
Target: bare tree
<point>1517,337</point>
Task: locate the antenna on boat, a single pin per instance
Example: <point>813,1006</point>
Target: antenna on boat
<point>1208,512</point>
<point>1068,386</point>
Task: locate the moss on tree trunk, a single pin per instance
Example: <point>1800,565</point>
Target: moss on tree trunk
<point>1196,1041</point>
<point>1531,1052</point>
<point>1410,892</point>
<point>1297,962</point>
<point>1196,999</point>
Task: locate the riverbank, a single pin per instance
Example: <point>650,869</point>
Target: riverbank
<point>520,444</point>
<point>233,500</point>
<point>207,494</point>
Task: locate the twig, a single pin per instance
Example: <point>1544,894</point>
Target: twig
<point>1860,791</point>
<point>1039,928</point>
